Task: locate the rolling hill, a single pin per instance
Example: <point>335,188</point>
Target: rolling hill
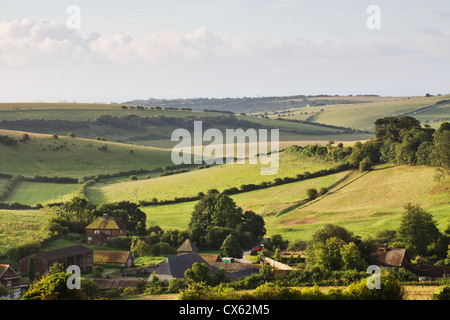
<point>75,157</point>
<point>363,203</point>
<point>363,115</point>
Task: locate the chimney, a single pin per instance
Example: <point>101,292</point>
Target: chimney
<point>105,216</point>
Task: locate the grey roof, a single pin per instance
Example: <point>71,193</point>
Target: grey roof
<point>188,246</point>
<point>177,265</point>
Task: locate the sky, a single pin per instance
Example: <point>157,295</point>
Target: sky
<point>116,51</point>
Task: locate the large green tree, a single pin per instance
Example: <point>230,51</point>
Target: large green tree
<point>417,229</point>
<point>53,286</point>
<point>231,248</point>
<point>441,151</point>
<point>216,216</point>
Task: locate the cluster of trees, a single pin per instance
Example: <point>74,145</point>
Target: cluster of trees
<point>217,222</point>
<point>76,214</point>
<point>336,248</point>
<point>398,140</point>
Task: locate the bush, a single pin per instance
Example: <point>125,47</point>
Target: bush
<point>322,191</point>
<point>312,194</point>
<point>390,289</point>
<point>365,164</point>
<point>175,285</point>
<point>271,291</point>
<point>442,293</point>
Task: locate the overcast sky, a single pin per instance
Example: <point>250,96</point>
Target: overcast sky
<point>140,49</point>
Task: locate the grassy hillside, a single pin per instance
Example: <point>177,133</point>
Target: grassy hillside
<point>144,125</point>
<point>191,183</point>
<point>32,193</point>
<point>370,202</point>
<point>363,115</point>
<point>67,157</point>
<point>18,226</point>
<point>362,203</point>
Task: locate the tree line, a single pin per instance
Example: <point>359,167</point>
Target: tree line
<point>397,140</point>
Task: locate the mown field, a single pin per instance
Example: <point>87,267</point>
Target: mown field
<point>32,193</point>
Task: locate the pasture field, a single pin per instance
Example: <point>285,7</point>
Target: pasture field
<point>265,202</point>
<point>362,203</point>
<point>21,226</point>
<point>80,111</point>
<point>363,115</point>
<point>66,157</point>
<point>369,203</point>
<point>32,193</point>
<point>219,177</point>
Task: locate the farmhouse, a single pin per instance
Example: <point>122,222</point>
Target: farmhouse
<point>12,281</point>
<point>103,229</point>
<point>120,258</point>
<point>74,255</point>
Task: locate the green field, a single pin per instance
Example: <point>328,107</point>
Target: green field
<point>20,226</point>
<point>191,183</point>
<point>32,193</point>
<point>362,203</point>
<point>363,115</point>
<point>371,202</point>
<point>67,157</point>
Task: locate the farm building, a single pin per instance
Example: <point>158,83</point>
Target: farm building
<point>120,258</point>
<point>396,258</point>
<point>74,255</point>
<point>174,267</point>
<point>103,229</point>
<point>393,258</point>
<point>12,281</point>
<point>187,247</point>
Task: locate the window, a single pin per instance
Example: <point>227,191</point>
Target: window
<point>8,283</point>
<point>96,231</point>
<point>108,231</point>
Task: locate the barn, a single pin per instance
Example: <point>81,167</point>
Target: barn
<point>77,255</point>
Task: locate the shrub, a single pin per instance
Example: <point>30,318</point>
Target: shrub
<point>175,285</point>
<point>312,194</point>
<point>390,289</point>
<point>442,293</point>
<point>271,291</point>
<point>365,164</point>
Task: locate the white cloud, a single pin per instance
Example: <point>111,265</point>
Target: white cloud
<point>44,43</point>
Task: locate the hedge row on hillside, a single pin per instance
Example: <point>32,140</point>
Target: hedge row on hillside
<point>251,187</point>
